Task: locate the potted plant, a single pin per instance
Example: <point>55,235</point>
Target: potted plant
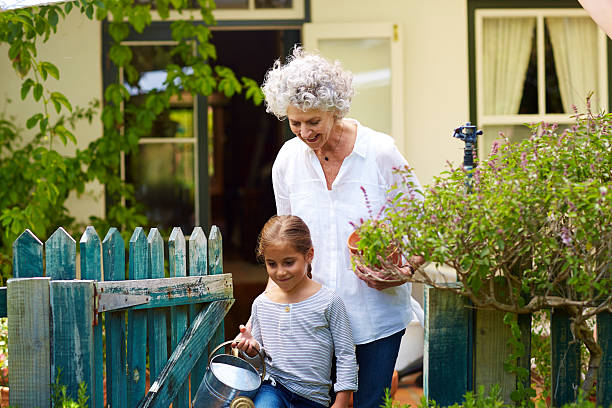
<point>536,221</point>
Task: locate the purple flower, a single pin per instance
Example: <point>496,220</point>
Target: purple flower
<point>495,147</point>
<point>523,160</point>
<point>565,236</point>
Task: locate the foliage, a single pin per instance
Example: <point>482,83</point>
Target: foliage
<point>35,180</point>
<point>481,399</point>
<point>4,352</point>
<point>535,232</point>
<point>60,399</point>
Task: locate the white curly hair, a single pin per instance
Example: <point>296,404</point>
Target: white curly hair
<point>308,81</point>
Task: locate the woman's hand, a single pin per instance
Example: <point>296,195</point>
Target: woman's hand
<point>408,270</point>
<point>376,284</point>
<point>342,399</point>
<point>245,341</point>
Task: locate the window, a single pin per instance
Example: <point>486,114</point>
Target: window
<point>163,171</point>
<point>378,79</point>
<point>532,65</point>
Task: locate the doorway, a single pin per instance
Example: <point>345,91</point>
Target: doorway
<point>245,141</point>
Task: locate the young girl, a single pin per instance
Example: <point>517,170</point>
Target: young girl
<point>298,325</point>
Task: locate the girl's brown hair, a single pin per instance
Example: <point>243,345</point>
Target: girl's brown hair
<point>288,228</point>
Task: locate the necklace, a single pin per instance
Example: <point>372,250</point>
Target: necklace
<point>337,144</point>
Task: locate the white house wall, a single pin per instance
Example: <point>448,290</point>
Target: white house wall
<point>76,51</point>
<point>435,71</point>
<point>435,77</point>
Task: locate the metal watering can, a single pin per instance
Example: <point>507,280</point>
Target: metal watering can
<point>229,381</point>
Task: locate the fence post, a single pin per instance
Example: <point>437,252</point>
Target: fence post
<point>447,360</point>
<point>158,350</point>
<point>198,261</point>
<point>72,308</point>
<point>215,266</point>
<point>137,323</point>
<point>60,255</point>
<point>178,267</point>
<point>29,342</point>
<point>27,256</point>
<point>91,269</point>
<point>113,249</point>
<point>604,375</point>
<point>565,356</point>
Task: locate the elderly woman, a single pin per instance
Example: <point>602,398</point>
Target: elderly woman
<point>319,176</point>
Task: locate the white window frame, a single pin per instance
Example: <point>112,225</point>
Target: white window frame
<point>296,12</point>
<point>539,14</point>
<point>163,140</point>
<point>314,32</point>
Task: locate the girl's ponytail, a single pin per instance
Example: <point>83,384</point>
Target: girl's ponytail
<point>288,228</point>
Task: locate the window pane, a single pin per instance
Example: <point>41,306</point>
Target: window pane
<point>273,3</point>
<point>529,100</point>
<point>575,53</point>
<point>371,104</point>
<point>507,47</point>
<point>553,93</point>
<point>163,178</point>
<point>232,4</point>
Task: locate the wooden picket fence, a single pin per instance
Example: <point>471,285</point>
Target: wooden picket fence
<point>80,330</point>
<point>466,348</point>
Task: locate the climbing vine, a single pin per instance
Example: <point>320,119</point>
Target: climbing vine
<point>35,179</point>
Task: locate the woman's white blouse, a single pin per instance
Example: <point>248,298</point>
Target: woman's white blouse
<point>300,189</point>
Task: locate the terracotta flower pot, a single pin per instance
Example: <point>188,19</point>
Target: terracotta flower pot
<point>394,256</point>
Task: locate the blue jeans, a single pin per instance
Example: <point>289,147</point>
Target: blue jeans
<point>277,396</point>
<point>376,362</point>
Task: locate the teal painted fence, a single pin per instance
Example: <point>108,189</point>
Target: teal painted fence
<point>56,321</point>
<point>466,348</point>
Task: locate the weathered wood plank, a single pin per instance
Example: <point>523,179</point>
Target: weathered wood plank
<point>447,360</point>
<point>72,304</point>
<point>166,291</point>
<point>29,342</point>
<point>565,355</point>
<point>91,269</point>
<point>178,323</point>
<point>491,349</point>
<point>198,266</point>
<point>158,347</point>
<point>166,387</point>
<point>137,322</point>
<point>60,255</point>
<point>604,375</point>
<point>215,267</point>
<point>113,249</point>
<point>27,256</point>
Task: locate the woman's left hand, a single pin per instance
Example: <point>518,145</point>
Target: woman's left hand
<point>377,284</point>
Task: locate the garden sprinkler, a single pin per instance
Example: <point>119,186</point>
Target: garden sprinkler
<point>469,135</point>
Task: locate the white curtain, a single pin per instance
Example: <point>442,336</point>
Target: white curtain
<point>574,44</point>
<point>507,44</point>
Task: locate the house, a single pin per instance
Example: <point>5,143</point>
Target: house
<point>421,69</point>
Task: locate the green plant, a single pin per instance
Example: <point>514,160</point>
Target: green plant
<point>535,231</point>
<point>60,399</point>
<point>4,352</point>
<point>35,180</point>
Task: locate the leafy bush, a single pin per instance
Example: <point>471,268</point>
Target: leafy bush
<point>534,232</point>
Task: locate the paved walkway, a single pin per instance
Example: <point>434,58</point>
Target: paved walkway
<point>409,390</point>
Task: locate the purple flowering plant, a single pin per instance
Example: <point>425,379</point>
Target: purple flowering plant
<point>535,231</point>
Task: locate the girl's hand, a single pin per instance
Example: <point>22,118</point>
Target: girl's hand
<point>342,399</point>
<point>246,342</point>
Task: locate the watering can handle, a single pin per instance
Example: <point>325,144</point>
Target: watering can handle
<point>263,362</point>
